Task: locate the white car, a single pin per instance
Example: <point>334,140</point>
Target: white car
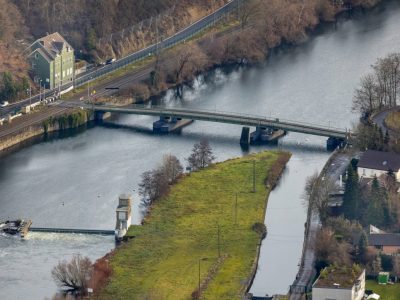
<point>4,104</point>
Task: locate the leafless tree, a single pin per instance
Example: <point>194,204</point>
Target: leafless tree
<point>317,192</point>
<point>365,96</point>
<point>171,167</point>
<point>153,186</point>
<point>201,155</point>
<point>73,276</point>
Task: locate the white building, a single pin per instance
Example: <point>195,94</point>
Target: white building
<point>338,283</point>
<point>124,218</point>
<point>375,163</point>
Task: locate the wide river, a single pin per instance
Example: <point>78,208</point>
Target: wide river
<point>74,182</point>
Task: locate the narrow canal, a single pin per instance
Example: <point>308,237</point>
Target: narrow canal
<point>74,181</point>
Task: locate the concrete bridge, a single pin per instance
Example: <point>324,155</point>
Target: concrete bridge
<point>334,134</point>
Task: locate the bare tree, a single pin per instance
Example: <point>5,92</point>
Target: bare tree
<point>171,167</point>
<point>153,186</point>
<point>201,155</point>
<point>317,192</point>
<point>73,276</point>
<point>365,96</point>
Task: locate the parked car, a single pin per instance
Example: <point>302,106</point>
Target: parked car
<point>4,104</point>
<point>110,61</point>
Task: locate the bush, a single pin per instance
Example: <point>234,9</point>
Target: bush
<point>260,228</point>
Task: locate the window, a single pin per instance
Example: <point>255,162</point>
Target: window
<point>37,55</point>
<point>363,172</point>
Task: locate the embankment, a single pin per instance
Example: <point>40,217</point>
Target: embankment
<point>73,119</point>
<point>198,229</point>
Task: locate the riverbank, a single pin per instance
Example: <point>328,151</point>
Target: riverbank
<point>199,226</point>
<point>57,123</point>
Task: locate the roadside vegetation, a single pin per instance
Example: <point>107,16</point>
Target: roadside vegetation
<point>393,121</point>
<point>377,91</point>
<point>197,228</point>
<point>72,119</point>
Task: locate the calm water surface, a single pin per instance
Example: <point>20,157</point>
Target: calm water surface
<point>74,182</point>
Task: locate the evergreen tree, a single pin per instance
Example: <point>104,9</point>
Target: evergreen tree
<point>351,198</point>
<point>375,213</point>
<point>362,248</point>
<point>387,138</point>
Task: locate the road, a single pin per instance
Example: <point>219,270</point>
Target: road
<point>380,117</point>
<point>179,37</point>
<point>334,168</point>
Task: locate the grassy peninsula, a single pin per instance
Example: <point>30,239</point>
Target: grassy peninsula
<point>199,227</point>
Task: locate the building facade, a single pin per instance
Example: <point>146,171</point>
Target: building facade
<point>52,61</point>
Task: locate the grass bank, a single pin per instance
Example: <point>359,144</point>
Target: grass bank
<point>393,120</point>
<point>387,292</point>
<point>198,229</point>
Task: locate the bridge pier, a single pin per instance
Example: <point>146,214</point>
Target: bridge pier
<point>245,137</point>
<point>168,124</point>
<point>266,135</point>
<point>332,143</point>
<point>99,116</point>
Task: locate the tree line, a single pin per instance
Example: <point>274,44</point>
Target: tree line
<point>381,87</point>
<point>156,183</point>
<point>10,89</point>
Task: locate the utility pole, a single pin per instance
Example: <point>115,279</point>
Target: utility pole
<point>30,94</point>
<point>219,248</point>
<point>254,176</point>
<point>236,210</point>
<point>199,279</point>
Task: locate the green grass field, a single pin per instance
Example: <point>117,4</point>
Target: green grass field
<point>162,261</point>
<point>393,122</point>
<point>387,292</point>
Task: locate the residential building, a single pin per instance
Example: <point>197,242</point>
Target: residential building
<point>387,243</point>
<point>52,61</point>
<point>339,283</point>
<point>375,163</point>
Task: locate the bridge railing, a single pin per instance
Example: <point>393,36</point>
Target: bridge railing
<point>240,115</point>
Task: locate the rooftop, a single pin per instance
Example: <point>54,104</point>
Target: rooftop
<point>52,45</point>
<point>379,160</point>
<point>384,239</point>
<point>338,277</point>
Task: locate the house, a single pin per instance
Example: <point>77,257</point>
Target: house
<point>387,243</point>
<point>375,163</point>
<point>339,283</point>
<point>52,61</point>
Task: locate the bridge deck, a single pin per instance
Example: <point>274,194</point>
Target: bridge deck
<point>222,117</point>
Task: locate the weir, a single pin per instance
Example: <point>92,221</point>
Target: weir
<point>72,230</point>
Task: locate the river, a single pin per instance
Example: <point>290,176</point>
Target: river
<point>74,181</point>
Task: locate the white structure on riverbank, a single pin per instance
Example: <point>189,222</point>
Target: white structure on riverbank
<point>124,217</point>
<point>339,283</point>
